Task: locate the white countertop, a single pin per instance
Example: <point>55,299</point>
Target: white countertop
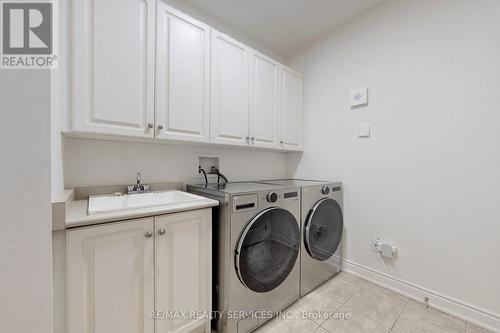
<point>78,213</point>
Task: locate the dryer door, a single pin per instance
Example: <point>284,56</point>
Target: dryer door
<point>323,229</point>
<point>267,249</point>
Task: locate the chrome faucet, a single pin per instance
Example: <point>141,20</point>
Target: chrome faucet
<point>138,187</point>
<point>138,178</point>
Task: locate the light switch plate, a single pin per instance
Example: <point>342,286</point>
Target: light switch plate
<point>364,130</point>
<point>358,97</point>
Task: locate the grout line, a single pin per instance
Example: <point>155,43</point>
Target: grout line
<point>369,317</point>
<point>318,328</point>
<point>462,310</point>
<point>347,300</point>
<point>373,319</point>
<point>442,313</point>
<point>376,320</point>
<point>315,323</point>
<point>335,312</point>
<point>401,312</point>
<point>399,315</point>
<point>407,302</point>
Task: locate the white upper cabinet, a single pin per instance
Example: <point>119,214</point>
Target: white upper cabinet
<point>264,101</point>
<point>291,118</point>
<point>144,69</point>
<point>110,278</point>
<point>182,76</point>
<point>229,91</point>
<point>114,67</point>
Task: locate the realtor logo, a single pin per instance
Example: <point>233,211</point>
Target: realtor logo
<point>27,35</point>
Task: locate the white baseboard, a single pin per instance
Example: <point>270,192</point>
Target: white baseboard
<point>470,313</point>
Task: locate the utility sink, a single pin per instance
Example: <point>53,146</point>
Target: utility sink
<point>100,204</point>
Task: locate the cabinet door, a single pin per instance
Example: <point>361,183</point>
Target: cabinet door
<point>291,119</point>
<point>264,101</point>
<point>183,268</point>
<point>110,278</point>
<point>229,90</point>
<point>182,81</point>
<point>113,90</point>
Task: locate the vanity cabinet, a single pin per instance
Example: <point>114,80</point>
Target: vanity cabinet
<point>183,269</point>
<point>110,278</point>
<point>146,70</point>
<point>118,274</point>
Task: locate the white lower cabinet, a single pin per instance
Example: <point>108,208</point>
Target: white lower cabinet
<point>110,278</point>
<point>183,270</point>
<point>120,274</point>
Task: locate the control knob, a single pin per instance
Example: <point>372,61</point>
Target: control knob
<point>325,190</point>
<point>272,197</point>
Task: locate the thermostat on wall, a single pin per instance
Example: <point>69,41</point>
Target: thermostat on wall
<point>359,97</point>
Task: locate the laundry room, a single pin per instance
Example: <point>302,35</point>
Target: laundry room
<point>222,166</point>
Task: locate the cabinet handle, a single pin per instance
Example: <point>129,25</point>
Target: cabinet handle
<point>281,141</point>
<point>160,127</point>
<point>248,139</point>
<point>161,232</point>
<point>150,125</point>
<point>148,234</point>
<point>253,139</point>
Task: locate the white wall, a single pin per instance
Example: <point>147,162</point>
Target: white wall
<point>428,179</point>
<point>25,215</point>
<point>95,162</point>
<point>60,98</point>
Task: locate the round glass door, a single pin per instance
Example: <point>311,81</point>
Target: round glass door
<point>323,229</point>
<point>268,249</point>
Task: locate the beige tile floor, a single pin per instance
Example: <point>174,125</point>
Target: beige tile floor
<point>370,308</point>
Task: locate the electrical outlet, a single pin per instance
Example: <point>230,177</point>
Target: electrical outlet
<point>375,244</point>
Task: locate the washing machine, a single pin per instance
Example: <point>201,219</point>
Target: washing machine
<point>256,252</point>
<point>322,225</point>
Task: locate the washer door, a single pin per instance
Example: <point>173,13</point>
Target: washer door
<point>323,229</point>
<point>268,249</point>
